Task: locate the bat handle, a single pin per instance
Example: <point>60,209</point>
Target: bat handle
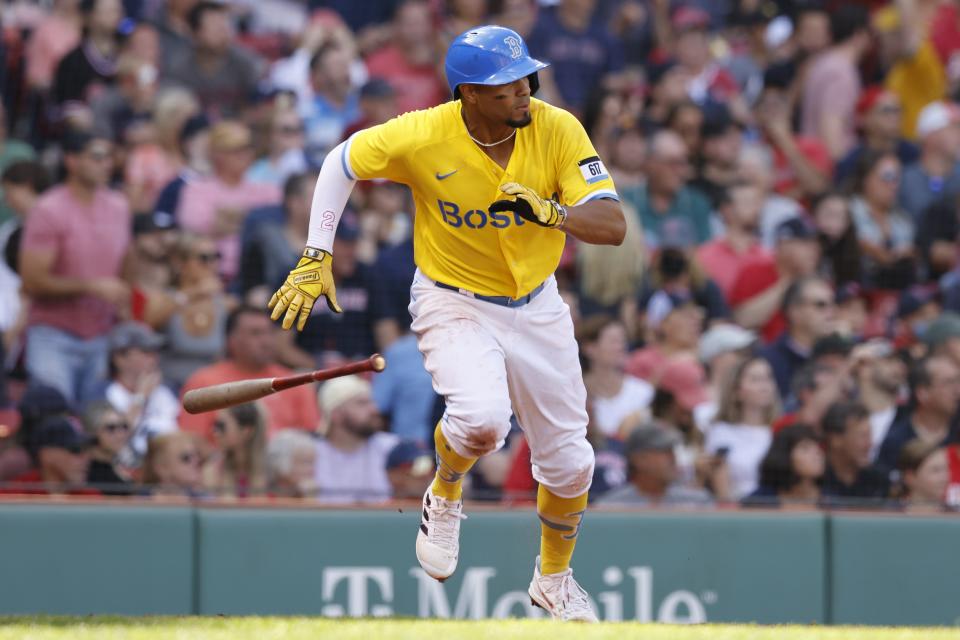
<point>375,362</point>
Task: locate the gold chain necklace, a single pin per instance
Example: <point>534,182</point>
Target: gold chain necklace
<point>492,144</point>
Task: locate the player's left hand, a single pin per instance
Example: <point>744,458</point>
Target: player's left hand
<point>530,206</point>
<point>310,279</point>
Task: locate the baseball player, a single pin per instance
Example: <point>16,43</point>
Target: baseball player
<point>499,180</point>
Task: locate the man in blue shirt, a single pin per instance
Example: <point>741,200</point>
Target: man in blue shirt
<point>581,51</point>
<point>935,386</point>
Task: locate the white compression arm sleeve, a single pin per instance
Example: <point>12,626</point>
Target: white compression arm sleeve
<point>330,197</point>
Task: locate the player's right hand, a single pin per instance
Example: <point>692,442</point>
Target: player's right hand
<point>310,279</point>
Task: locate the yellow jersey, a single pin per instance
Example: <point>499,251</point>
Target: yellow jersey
<point>456,239</point>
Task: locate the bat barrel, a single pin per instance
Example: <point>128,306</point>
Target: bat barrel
<point>226,395</point>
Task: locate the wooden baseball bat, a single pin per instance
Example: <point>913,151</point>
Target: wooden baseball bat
<point>228,394</point>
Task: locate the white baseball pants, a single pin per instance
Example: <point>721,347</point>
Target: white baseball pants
<point>489,361</point>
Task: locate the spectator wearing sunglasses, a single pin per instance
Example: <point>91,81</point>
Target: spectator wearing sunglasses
<point>111,434</point>
<point>809,308</point>
<point>885,231</point>
<point>239,467</point>
<point>173,466</point>
<point>193,318</point>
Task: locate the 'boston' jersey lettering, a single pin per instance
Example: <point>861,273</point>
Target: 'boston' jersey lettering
<point>476,218</point>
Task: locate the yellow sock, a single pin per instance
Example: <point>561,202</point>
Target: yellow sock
<point>451,467</point>
<point>560,520</point>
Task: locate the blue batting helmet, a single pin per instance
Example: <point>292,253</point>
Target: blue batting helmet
<point>490,55</point>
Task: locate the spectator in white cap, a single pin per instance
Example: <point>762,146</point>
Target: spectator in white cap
<point>136,390</point>
<point>721,348</point>
<point>936,174</point>
<point>352,456</point>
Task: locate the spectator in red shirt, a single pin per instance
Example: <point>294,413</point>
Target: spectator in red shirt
<point>251,353</point>
<point>757,294</point>
<point>802,163</point>
<point>953,489</point>
<point>724,257</point>
<point>409,63</point>
<point>74,244</point>
<point>675,322</point>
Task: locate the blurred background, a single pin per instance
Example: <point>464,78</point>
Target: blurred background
<point>780,329</point>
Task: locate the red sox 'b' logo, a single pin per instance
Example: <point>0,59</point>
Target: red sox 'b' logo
<point>514,44</point>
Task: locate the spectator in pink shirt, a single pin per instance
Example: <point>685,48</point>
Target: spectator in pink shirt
<point>217,205</point>
<point>832,85</point>
<point>723,257</point>
<point>74,244</point>
<point>410,63</point>
<point>56,36</point>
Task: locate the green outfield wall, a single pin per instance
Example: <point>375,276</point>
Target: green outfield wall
<point>765,567</point>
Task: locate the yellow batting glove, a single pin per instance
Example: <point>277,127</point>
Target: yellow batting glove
<point>310,279</point>
<point>530,206</point>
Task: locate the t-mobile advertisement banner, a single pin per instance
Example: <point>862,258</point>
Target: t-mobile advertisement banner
<point>683,568</point>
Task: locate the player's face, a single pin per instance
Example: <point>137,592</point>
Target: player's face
<point>508,104</point>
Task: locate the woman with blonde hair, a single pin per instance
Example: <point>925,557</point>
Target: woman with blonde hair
<point>192,317</point>
<point>741,433</point>
<point>172,465</point>
<point>112,433</point>
<point>239,466</point>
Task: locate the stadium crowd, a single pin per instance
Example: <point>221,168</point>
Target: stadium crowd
<point>781,325</point>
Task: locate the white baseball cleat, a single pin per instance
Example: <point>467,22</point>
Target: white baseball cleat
<point>560,595</point>
<point>438,541</point>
